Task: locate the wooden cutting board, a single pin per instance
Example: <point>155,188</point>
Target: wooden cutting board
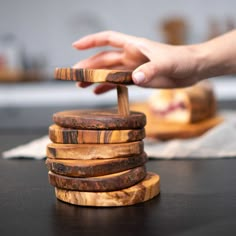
<point>91,168</point>
<point>141,192</point>
<point>165,130</point>
<point>103,183</point>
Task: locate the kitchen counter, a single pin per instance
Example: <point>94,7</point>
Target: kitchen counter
<point>197,197</point>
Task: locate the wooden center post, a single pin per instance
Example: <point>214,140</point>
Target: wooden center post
<point>123,100</point>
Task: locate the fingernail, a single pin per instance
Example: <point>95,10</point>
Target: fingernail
<point>139,77</point>
<point>78,65</point>
<point>77,85</point>
<point>75,66</point>
<point>74,44</point>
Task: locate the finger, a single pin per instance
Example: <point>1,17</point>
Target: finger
<point>105,38</point>
<point>103,60</point>
<point>163,82</point>
<point>102,88</point>
<point>145,73</point>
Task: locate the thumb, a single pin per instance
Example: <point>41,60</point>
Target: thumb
<point>145,73</point>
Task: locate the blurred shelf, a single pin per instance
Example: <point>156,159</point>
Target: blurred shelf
<point>12,76</point>
<point>60,93</point>
<point>65,93</point>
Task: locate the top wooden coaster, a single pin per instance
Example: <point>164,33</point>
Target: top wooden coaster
<point>94,75</point>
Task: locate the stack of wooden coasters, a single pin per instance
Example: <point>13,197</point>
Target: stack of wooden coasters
<point>97,157</point>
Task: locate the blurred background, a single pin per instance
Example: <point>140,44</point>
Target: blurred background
<point>36,37</point>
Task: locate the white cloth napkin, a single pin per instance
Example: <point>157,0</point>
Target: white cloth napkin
<point>35,149</point>
<point>219,142</point>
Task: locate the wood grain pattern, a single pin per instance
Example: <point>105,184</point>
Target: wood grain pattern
<point>94,151</point>
<point>58,134</point>
<point>91,168</point>
<point>141,192</point>
<point>123,100</point>
<point>94,75</point>
<point>103,183</point>
<point>99,119</point>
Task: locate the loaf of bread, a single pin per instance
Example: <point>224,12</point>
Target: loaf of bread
<point>185,105</point>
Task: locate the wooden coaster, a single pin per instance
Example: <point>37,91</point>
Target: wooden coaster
<point>91,168</point>
<point>94,151</point>
<point>81,136</point>
<point>94,75</point>
<point>99,119</point>
<point>141,192</point>
<point>103,183</point>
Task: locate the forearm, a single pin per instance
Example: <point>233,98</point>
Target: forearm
<point>217,56</point>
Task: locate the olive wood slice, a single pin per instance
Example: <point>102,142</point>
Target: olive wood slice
<point>94,151</point>
<point>58,134</point>
<point>91,168</point>
<point>94,75</point>
<point>99,119</point>
<point>103,183</point>
<point>141,192</point>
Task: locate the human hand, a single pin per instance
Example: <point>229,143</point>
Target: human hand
<point>154,64</point>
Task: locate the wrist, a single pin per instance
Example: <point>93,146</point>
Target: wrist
<point>216,57</point>
<point>203,63</point>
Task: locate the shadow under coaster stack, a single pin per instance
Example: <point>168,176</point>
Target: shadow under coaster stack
<point>97,157</point>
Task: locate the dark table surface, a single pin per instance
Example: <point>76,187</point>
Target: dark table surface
<point>198,197</point>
